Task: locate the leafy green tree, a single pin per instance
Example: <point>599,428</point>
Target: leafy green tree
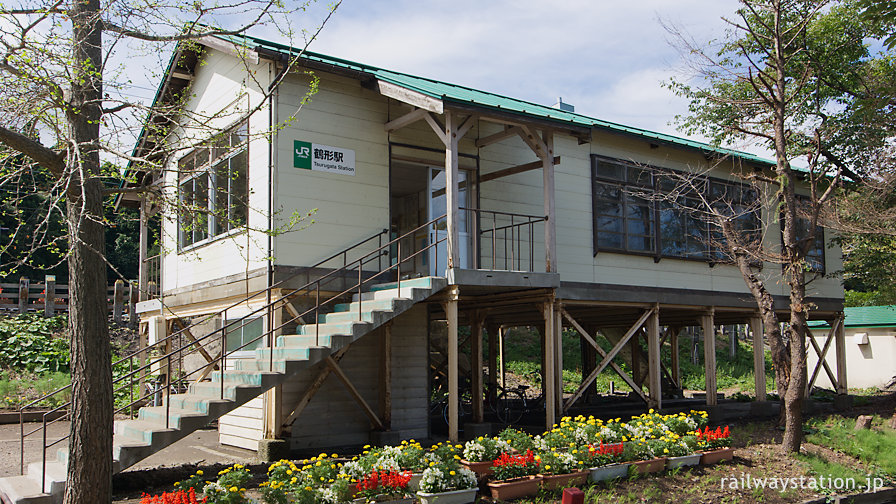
<point>66,102</point>
<point>796,77</point>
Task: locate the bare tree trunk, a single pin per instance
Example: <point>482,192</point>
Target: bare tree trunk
<point>90,444</point>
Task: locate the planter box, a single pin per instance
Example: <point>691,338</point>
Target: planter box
<point>608,472</point>
<point>406,500</point>
<point>684,461</point>
<point>480,468</point>
<point>561,481</point>
<point>650,466</point>
<point>715,456</point>
<point>453,497</point>
<point>515,488</point>
<point>414,482</point>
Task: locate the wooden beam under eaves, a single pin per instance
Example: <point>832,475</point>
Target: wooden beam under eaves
<point>409,96</point>
<point>513,170</point>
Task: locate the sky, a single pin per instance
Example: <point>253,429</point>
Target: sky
<point>607,58</point>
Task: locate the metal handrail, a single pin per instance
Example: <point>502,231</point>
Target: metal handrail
<point>514,254</point>
<point>142,351</point>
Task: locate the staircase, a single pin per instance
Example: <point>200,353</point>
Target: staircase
<point>136,439</point>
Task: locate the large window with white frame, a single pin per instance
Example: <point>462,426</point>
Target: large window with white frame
<point>213,188</point>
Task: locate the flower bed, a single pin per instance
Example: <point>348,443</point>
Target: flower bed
<point>572,452</point>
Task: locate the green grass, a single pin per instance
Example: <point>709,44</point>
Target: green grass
<point>19,390</point>
<point>820,467</point>
<point>875,447</point>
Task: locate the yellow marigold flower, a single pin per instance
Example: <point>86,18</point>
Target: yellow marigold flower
<point>177,483</point>
<point>452,473</point>
<point>308,488</point>
<point>234,489</point>
<point>199,472</point>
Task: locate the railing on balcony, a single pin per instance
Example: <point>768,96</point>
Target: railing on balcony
<point>152,271</point>
<point>507,241</point>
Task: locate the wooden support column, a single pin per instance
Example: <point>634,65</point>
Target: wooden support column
<point>450,306</point>
<point>550,227</point>
<point>758,357</point>
<point>676,356</point>
<point>492,331</point>
<point>273,398</point>
<point>840,349</point>
<point>501,372</point>
<point>653,359</point>
<point>476,364</point>
<point>709,357</point>
<point>550,390</point>
<point>386,376</point>
<point>451,190</point>
<point>635,349</point>
<point>558,345</point>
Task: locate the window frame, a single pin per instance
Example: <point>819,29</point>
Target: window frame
<point>711,254</point>
<point>819,245</point>
<point>214,154</point>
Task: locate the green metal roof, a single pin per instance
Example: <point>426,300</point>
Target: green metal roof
<point>453,93</point>
<point>864,316</point>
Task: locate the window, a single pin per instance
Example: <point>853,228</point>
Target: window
<point>622,220</point>
<point>628,218</point>
<point>214,188</point>
<point>243,332</point>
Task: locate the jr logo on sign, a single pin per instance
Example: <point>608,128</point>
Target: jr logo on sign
<point>302,154</point>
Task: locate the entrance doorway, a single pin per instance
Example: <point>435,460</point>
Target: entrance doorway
<point>418,196</point>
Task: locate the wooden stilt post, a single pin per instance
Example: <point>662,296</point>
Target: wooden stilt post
<point>558,346</point>
<point>386,376</point>
<point>550,390</point>
<point>709,358</point>
<point>476,364</point>
<point>550,227</point>
<point>50,295</point>
<point>492,331</point>
<point>840,349</point>
<point>653,359</point>
<point>273,398</point>
<point>676,355</point>
<point>118,301</point>
<point>24,294</point>
<point>501,333</point>
<point>635,349</point>
<point>758,357</point>
<point>453,395</point>
<point>451,188</point>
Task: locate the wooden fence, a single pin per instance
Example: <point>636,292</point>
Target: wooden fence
<point>27,297</point>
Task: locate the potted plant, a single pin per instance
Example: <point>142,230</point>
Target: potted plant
<point>716,445</point>
<point>516,476</point>
<point>605,461</point>
<point>412,458</point>
<point>518,440</point>
<point>682,451</point>
<point>384,486</point>
<point>644,458</point>
<point>480,452</point>
<point>448,483</point>
<point>561,469</point>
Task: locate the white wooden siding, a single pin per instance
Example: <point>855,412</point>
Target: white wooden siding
<point>222,88</point>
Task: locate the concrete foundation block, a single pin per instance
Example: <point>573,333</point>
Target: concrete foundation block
<point>474,430</point>
<point>383,438</point>
<point>272,450</point>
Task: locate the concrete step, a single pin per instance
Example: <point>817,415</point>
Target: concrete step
<point>264,379</point>
<point>354,328</point>
<point>178,418</point>
<point>332,341</point>
<point>128,450</point>
<point>145,432</point>
<point>54,477</point>
<point>424,282</point>
<point>395,305</point>
<point>239,394</point>
<point>287,367</point>
<point>206,405</point>
<point>285,354</point>
<point>25,490</point>
<point>407,291</point>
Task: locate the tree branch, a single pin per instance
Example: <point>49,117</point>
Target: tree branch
<point>48,158</point>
